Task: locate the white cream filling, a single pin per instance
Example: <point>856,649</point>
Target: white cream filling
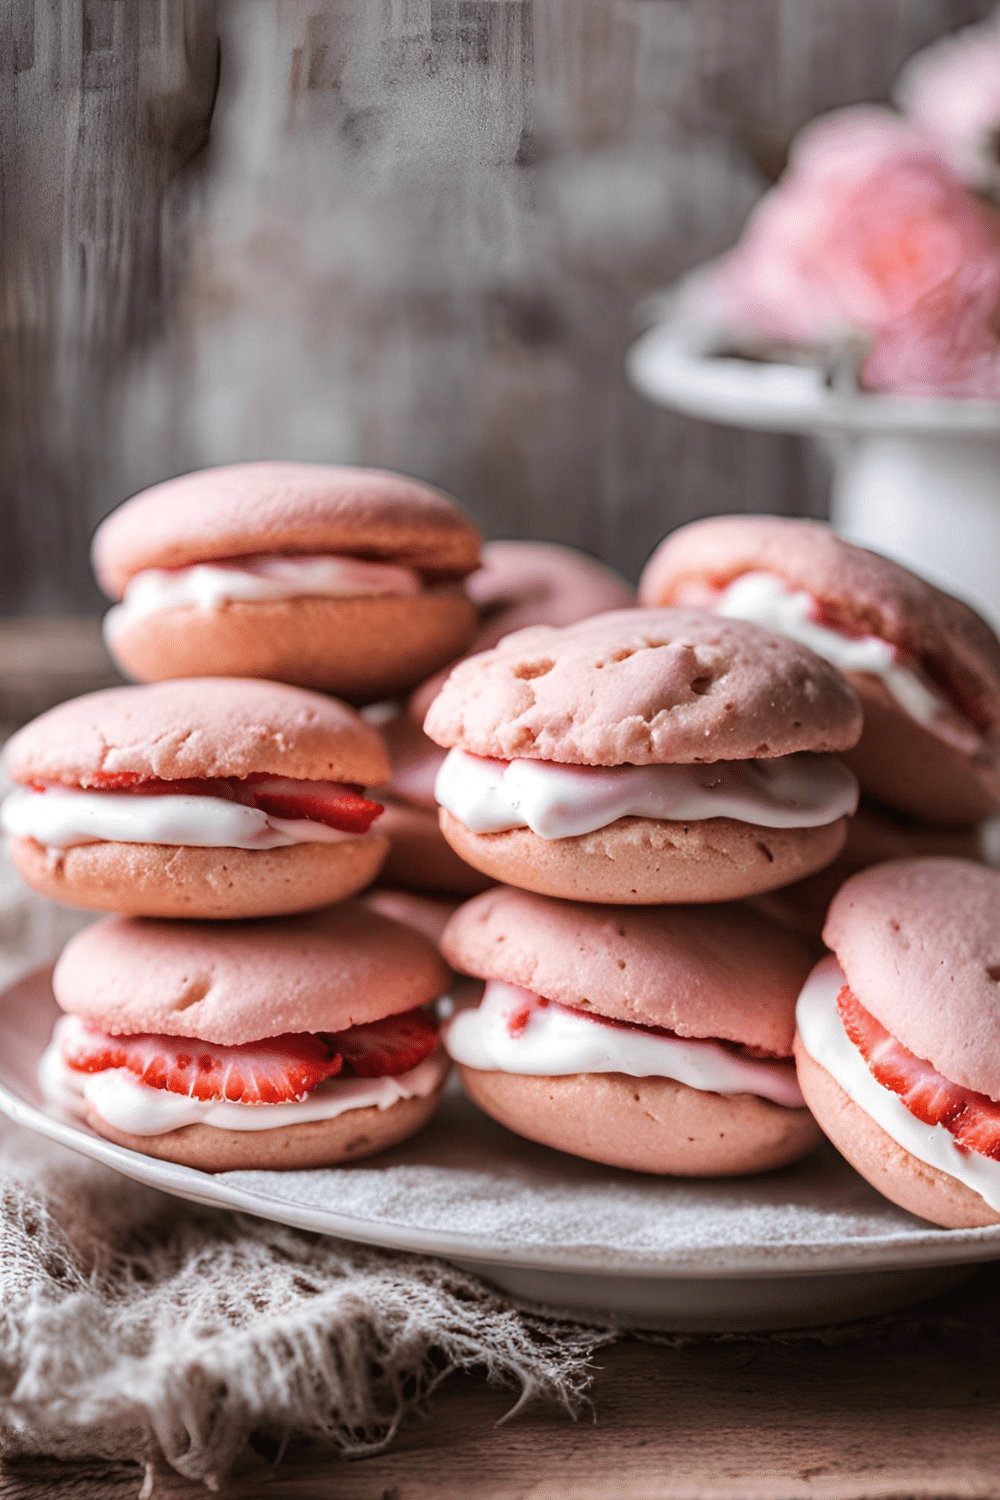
<point>562,801</point>
<point>62,817</point>
<point>207,585</point>
<point>764,599</point>
<point>556,1040</point>
<point>827,1043</point>
<point>129,1105</point>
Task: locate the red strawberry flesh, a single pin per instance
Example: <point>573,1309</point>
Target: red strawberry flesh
<point>276,1070</point>
<point>972,1118</point>
<point>334,803</point>
<point>393,1045</point>
<point>337,804</point>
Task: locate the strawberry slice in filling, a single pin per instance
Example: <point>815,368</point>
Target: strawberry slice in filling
<point>393,1045</point>
<point>338,804</point>
<point>972,1118</point>
<point>276,1070</point>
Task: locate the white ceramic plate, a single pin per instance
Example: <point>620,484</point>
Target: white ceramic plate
<point>809,1244</point>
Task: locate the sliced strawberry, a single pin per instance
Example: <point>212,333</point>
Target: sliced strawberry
<point>276,1070</point>
<point>393,1045</point>
<point>518,1019</point>
<point>338,804</point>
<point>973,1119</point>
<point>334,803</point>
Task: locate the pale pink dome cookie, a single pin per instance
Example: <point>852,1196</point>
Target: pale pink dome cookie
<point>343,579</point>
<point>196,798</point>
<point>295,1042</point>
<point>898,1036</point>
<point>654,1039</point>
<point>926,666</point>
<point>645,756</point>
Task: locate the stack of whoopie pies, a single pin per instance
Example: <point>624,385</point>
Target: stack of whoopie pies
<point>670,795</point>
<point>241,1009</point>
<point>661,812</point>
<point>634,777</point>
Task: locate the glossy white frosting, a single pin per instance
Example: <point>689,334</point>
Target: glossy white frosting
<point>764,599</point>
<point>556,1040</point>
<point>562,801</point>
<point>128,1104</point>
<point>207,585</point>
<point>824,1038</point>
<point>61,817</point>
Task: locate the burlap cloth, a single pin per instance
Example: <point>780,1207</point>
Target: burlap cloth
<point>134,1325</point>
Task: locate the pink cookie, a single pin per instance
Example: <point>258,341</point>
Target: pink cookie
<point>296,1042</point>
<point>645,756</point>
<point>927,668</point>
<point>334,578</point>
<point>653,1039</point>
<point>196,798</point>
<point>898,1040</point>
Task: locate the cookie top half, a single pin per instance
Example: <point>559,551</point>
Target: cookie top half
<point>644,687</point>
<point>241,510</point>
<point>197,728</point>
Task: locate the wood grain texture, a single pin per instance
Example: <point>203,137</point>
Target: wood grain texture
<point>403,232</point>
<point>910,1411</point>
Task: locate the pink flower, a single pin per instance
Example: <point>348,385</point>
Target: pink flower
<point>946,344</point>
<point>951,91</point>
<point>867,219</point>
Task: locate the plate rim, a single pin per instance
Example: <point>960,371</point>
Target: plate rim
<point>212,1190</point>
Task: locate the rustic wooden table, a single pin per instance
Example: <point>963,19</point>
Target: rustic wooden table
<point>908,1408</point>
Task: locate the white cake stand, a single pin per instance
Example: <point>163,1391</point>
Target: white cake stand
<point>916,479</point>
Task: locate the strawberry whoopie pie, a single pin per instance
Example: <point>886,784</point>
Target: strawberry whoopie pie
<point>295,1042</point>
<point>343,579</point>
<point>196,798</point>
<point>519,584</point>
<point>654,1039</point>
<point>898,1036</point>
<point>645,755</point>
<point>926,667</point>
<point>875,834</point>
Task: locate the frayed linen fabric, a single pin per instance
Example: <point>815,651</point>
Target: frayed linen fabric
<point>135,1326</point>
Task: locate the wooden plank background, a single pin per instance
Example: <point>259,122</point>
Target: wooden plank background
<point>399,232</point>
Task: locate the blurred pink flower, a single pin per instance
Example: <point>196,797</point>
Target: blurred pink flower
<point>867,219</point>
<point>946,344</point>
<point>951,91</point>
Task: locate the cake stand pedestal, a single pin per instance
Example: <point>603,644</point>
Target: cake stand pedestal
<point>916,479</point>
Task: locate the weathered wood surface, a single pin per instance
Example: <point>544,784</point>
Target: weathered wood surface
<point>399,232</point>
<point>911,1412</point>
